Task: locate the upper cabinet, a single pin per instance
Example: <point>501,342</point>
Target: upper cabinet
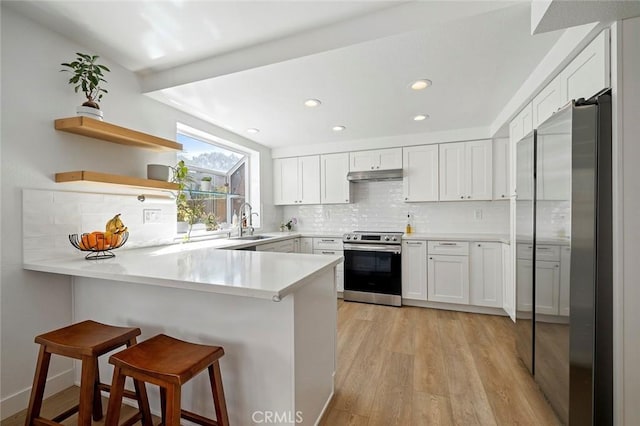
<point>296,180</point>
<point>379,159</point>
<point>589,72</point>
<point>548,101</point>
<point>466,171</point>
<point>522,124</point>
<point>334,186</point>
<point>501,169</point>
<point>420,181</point>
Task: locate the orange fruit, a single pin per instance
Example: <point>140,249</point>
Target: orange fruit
<point>85,243</point>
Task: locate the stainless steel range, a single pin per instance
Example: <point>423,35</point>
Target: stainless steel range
<point>373,267</point>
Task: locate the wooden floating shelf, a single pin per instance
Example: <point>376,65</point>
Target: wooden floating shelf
<point>87,176</point>
<point>111,133</point>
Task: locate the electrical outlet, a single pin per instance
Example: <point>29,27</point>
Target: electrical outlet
<point>151,216</point>
<point>477,214</point>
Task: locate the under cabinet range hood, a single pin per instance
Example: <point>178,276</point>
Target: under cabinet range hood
<point>375,175</point>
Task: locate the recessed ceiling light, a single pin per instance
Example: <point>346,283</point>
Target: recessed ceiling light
<point>253,130</point>
<point>420,84</point>
<point>338,128</point>
<point>311,103</point>
<point>420,117</point>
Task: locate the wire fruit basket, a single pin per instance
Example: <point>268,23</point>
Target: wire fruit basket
<point>98,244</point>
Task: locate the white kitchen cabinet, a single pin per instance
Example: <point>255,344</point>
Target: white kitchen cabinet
<point>414,270</point>
<point>339,267</point>
<point>286,246</point>
<point>547,287</point>
<point>565,283</point>
<point>486,274</point>
<point>589,72</point>
<point>521,124</point>
<point>501,169</point>
<point>523,173</point>
<point>327,243</point>
<point>306,245</point>
<point>334,186</point>
<point>548,101</point>
<point>466,171</point>
<point>296,180</point>
<point>379,159</point>
<point>420,169</point>
<point>448,278</point>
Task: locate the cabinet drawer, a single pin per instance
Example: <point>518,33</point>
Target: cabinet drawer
<point>456,248</point>
<point>329,252</point>
<point>548,253</point>
<point>327,244</point>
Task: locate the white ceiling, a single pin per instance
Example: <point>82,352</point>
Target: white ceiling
<point>476,53</point>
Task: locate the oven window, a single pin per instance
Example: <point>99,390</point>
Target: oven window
<point>373,272</point>
<point>371,262</point>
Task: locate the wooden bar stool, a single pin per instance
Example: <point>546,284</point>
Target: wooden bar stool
<point>168,363</point>
<point>85,341</point>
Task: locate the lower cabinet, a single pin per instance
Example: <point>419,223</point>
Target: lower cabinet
<point>414,270</point>
<point>286,246</point>
<point>306,245</point>
<point>339,268</point>
<point>448,278</point>
<point>487,274</point>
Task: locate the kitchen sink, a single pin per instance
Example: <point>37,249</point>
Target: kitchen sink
<point>252,237</point>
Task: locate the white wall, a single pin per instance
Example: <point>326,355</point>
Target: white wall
<point>629,89</point>
<point>34,93</point>
<point>380,206</point>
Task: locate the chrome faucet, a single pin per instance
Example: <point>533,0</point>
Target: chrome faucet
<point>241,210</point>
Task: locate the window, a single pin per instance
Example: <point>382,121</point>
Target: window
<point>227,165</point>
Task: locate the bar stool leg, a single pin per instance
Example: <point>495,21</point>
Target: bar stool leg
<point>163,405</point>
<point>173,405</point>
<point>215,377</point>
<point>141,392</point>
<point>87,386</point>
<point>97,396</point>
<point>39,381</point>
<point>115,398</point>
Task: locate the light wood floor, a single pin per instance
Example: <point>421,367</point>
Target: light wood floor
<point>413,366</point>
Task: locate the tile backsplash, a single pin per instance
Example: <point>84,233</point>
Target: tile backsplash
<point>379,206</point>
<point>48,217</point>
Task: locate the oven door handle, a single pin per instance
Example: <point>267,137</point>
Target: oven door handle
<point>372,247</point>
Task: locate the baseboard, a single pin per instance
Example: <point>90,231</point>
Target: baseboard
<point>455,307</point>
<point>19,401</point>
<point>326,405</point>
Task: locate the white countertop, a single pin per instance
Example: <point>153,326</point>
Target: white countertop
<point>500,238</point>
<point>201,266</point>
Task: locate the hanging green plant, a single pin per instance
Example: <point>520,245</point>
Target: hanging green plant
<point>87,76</point>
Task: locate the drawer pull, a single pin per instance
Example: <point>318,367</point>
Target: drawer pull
<point>328,241</point>
<point>543,248</point>
<point>448,244</point>
<point>328,252</point>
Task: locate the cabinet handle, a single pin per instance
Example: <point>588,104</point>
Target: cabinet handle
<point>448,244</point>
<point>462,197</point>
<point>502,195</point>
<point>543,248</point>
<point>479,245</point>
<point>431,258</point>
<point>346,201</point>
<point>414,243</point>
<point>328,241</point>
<point>557,266</point>
<point>406,198</point>
<point>530,247</point>
<point>371,167</point>
<point>468,196</point>
<point>328,252</point>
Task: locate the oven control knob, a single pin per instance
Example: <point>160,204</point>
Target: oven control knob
<point>394,239</point>
<point>386,238</point>
<point>355,237</point>
<point>348,237</point>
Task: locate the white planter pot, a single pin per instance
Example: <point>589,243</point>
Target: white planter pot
<point>205,185</point>
<point>89,112</point>
<point>182,227</point>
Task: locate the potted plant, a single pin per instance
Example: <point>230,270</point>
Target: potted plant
<point>87,76</point>
<point>211,222</point>
<point>205,183</point>
<point>185,214</point>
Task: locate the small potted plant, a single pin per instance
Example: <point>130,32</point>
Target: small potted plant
<point>289,225</point>
<point>87,76</point>
<point>211,222</point>
<point>205,184</point>
<point>185,215</point>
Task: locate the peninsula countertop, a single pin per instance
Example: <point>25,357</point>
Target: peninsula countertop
<point>199,266</point>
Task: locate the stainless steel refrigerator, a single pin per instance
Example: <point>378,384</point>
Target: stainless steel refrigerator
<point>564,260</point>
